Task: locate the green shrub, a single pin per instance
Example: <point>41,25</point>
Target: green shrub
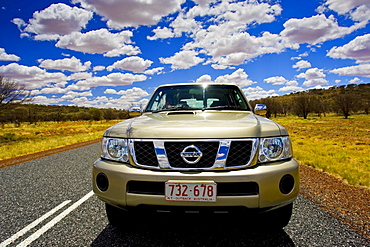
<point>8,137</point>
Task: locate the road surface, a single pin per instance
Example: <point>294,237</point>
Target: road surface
<point>49,202</point>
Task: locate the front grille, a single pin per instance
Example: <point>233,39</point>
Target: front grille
<point>208,154</point>
<point>240,153</point>
<point>223,189</point>
<point>145,153</point>
<point>209,150</point>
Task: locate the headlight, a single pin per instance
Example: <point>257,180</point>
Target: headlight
<point>274,148</point>
<point>115,149</point>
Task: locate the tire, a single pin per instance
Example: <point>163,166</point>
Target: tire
<point>116,216</point>
<point>278,218</point>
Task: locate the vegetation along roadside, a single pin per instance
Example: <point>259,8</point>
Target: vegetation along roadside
<point>332,144</point>
<point>26,139</point>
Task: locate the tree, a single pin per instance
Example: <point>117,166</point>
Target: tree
<point>286,106</point>
<point>346,102</point>
<point>17,115</point>
<point>273,106</point>
<point>109,114</point>
<point>96,114</point>
<point>303,104</point>
<point>12,94</point>
<point>317,105</point>
<point>366,106</point>
<point>82,115</point>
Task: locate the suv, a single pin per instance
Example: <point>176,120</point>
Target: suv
<point>198,148</point>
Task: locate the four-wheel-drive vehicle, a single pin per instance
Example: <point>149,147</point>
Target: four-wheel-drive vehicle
<point>197,148</point>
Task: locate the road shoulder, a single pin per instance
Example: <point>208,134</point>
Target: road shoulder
<point>348,203</point>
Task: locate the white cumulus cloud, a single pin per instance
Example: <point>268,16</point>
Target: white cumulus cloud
<point>182,60</point>
<point>343,6</point>
<point>204,79</point>
<point>71,64</point>
<point>276,80</point>
<point>99,41</point>
<point>238,77</point>
<point>43,100</point>
<point>57,19</point>
<point>222,34</point>
<point>99,68</point>
<point>158,70</point>
<point>8,57</point>
<point>358,70</point>
<point>313,77</point>
<point>131,13</point>
<point>132,93</point>
<point>32,77</point>
<point>357,49</point>
<point>291,86</point>
<point>355,80</point>
<point>316,29</point>
<point>134,64</point>
<point>253,93</point>
<point>113,79</point>
<point>161,33</point>
<point>302,64</point>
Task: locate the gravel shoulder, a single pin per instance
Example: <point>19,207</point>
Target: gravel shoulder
<point>350,204</point>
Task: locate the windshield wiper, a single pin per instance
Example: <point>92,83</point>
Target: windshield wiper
<point>180,108</point>
<point>223,107</point>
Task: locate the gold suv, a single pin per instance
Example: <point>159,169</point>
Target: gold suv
<point>197,148</point>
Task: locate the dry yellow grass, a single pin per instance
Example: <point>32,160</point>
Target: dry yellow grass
<point>335,145</point>
<point>27,139</point>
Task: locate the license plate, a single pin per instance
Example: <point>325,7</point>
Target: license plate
<point>191,191</point>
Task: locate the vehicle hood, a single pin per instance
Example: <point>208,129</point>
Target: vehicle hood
<point>195,125</point>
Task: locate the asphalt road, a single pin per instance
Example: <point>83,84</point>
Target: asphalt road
<point>48,202</point>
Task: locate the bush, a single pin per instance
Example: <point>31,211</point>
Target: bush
<point>8,137</point>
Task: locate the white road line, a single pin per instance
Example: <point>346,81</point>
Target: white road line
<point>58,218</point>
<point>33,224</point>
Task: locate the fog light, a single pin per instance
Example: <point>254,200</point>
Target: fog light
<point>102,182</point>
<point>286,184</point>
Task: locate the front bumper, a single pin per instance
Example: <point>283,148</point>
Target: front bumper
<point>267,177</point>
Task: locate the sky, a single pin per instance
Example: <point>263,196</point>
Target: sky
<point>114,53</point>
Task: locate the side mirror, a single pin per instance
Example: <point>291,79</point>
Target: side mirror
<point>260,109</point>
<point>134,111</point>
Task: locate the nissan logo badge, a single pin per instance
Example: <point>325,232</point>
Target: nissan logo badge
<point>191,154</point>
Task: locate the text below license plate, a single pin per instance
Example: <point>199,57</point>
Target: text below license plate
<point>191,191</point>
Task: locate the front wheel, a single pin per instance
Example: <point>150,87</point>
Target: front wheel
<point>278,218</point>
<point>116,216</point>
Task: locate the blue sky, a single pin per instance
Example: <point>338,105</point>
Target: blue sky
<point>114,53</point>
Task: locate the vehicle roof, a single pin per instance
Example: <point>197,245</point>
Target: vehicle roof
<point>194,83</point>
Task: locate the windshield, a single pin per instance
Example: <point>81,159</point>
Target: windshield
<point>197,97</point>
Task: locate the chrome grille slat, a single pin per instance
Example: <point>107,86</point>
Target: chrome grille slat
<point>161,154</point>
<point>216,153</point>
